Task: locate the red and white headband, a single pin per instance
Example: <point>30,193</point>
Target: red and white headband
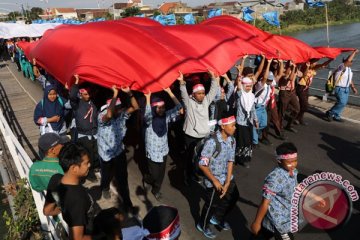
<point>198,87</point>
<point>83,90</point>
<point>286,156</point>
<point>158,104</point>
<point>226,121</point>
<point>117,103</point>
<point>246,80</point>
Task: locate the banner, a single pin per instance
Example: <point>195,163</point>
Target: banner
<point>247,14</point>
<point>189,19</point>
<point>272,18</point>
<point>214,12</point>
<point>314,3</point>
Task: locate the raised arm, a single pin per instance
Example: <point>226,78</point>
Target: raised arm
<point>260,68</point>
<point>266,74</point>
<point>73,95</point>
<point>213,88</point>
<point>110,110</point>
<point>148,113</point>
<point>350,58</point>
<point>172,96</point>
<point>322,65</point>
<point>184,94</point>
<point>133,102</point>
<point>240,67</point>
<point>280,72</point>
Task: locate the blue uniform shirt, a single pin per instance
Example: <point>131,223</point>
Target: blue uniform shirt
<point>218,166</point>
<point>279,188</point>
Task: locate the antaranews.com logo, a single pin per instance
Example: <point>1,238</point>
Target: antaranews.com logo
<point>323,200</point>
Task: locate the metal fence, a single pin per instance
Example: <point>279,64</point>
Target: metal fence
<point>23,163</point>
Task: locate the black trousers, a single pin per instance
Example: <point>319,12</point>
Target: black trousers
<point>190,144</point>
<point>244,136</point>
<point>117,167</point>
<point>303,94</point>
<point>91,147</point>
<point>288,99</point>
<point>219,208</point>
<point>156,174</point>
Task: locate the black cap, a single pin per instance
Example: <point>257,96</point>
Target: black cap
<point>49,140</point>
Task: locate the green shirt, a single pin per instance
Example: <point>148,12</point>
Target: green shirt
<point>41,172</point>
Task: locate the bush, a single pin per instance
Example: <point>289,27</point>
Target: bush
<point>26,224</point>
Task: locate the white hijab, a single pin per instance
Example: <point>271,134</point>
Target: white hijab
<point>247,99</point>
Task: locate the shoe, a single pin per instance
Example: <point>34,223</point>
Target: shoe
<point>224,225</point>
<point>296,122</point>
<point>281,136</point>
<point>291,129</point>
<point>265,141</point>
<point>254,146</point>
<point>91,177</point>
<point>246,164</point>
<point>338,120</point>
<point>158,196</point>
<point>207,231</point>
<point>146,186</point>
<point>304,123</point>
<point>106,194</point>
<point>328,116</point>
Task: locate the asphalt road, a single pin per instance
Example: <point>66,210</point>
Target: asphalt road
<point>323,146</point>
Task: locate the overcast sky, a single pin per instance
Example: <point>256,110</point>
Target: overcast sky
<point>14,4</point>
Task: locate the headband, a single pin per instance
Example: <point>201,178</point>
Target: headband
<point>117,103</point>
<point>83,90</point>
<point>226,121</point>
<point>246,80</point>
<point>158,104</point>
<point>286,156</point>
<point>197,88</point>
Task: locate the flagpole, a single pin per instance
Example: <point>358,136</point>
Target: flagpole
<point>255,19</point>
<point>327,25</point>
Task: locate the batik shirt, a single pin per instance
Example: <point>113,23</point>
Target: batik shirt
<point>279,188</point>
<point>218,166</point>
<point>157,147</point>
<point>110,135</point>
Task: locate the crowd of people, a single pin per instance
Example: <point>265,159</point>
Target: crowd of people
<point>223,120</point>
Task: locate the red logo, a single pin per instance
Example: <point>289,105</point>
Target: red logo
<point>326,205</point>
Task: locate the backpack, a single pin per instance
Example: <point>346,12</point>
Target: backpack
<point>331,83</point>
<point>198,149</point>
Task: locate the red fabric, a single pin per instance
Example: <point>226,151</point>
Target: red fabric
<point>138,52</point>
<point>332,53</point>
<point>287,48</point>
<point>143,54</point>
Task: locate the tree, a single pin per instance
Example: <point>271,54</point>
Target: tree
<point>13,15</point>
<point>35,12</point>
<point>130,12</point>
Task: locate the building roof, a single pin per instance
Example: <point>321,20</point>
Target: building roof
<point>216,4</point>
<point>65,10</point>
<point>165,7</point>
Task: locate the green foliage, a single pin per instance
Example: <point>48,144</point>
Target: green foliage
<point>338,10</point>
<point>13,15</point>
<point>130,12</point>
<point>156,13</point>
<point>26,222</point>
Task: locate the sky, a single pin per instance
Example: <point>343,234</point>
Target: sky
<point>14,5</point>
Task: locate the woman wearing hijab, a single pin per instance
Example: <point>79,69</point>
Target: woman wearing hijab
<point>50,111</point>
<point>156,141</point>
<point>246,119</point>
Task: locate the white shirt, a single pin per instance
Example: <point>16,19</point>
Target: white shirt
<point>264,97</point>
<point>345,78</point>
